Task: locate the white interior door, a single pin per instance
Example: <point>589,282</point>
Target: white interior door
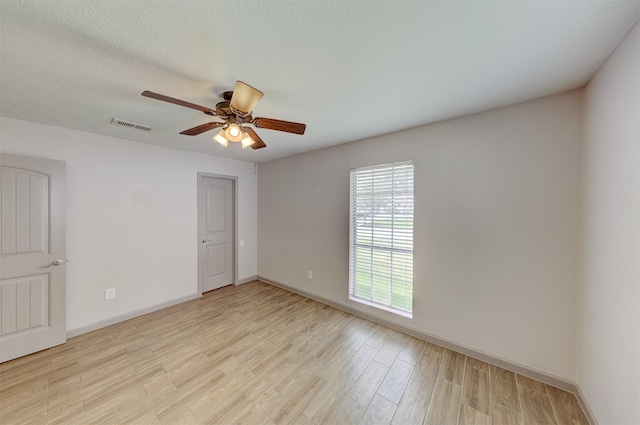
<point>215,232</point>
<point>32,255</point>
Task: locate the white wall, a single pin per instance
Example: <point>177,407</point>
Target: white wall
<point>496,229</point>
<point>131,217</point>
<point>608,350</point>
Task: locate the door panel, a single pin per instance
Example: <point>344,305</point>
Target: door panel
<point>24,303</point>
<point>216,200</point>
<point>216,260</point>
<point>216,232</point>
<point>32,238</point>
<point>25,215</point>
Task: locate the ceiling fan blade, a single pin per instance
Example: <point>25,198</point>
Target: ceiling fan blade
<point>257,141</point>
<point>279,125</point>
<point>245,98</point>
<point>164,98</point>
<point>202,128</point>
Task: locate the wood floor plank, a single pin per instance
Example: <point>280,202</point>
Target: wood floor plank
<point>504,389</point>
<point>102,393</point>
<point>452,366</point>
<point>532,384</point>
<point>367,385</point>
<point>359,361</point>
<point>329,394</point>
<point>476,390</point>
<point>470,416</point>
<point>190,391</point>
<point>390,350</point>
<point>536,408</point>
<point>445,403</point>
<point>413,406</point>
<point>394,384</point>
<point>411,351</point>
<point>478,364</point>
<point>25,411</point>
<point>69,414</point>
<point>336,361</point>
<point>260,408</point>
<point>18,392</point>
<point>379,412</point>
<point>426,370</point>
<point>566,407</point>
<point>105,376</point>
<point>346,411</point>
<point>104,408</point>
<point>255,354</point>
<point>219,405</point>
<point>191,366</point>
<point>63,398</point>
<point>325,349</point>
<point>378,337</point>
<point>181,415</point>
<point>148,418</point>
<point>63,357</point>
<point>355,339</point>
<point>26,365</point>
<point>300,420</point>
<point>501,415</point>
<point>222,409</point>
<point>144,410</point>
<point>291,408</point>
<point>295,376</point>
<point>114,397</point>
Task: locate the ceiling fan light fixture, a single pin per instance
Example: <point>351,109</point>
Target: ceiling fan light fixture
<point>220,138</point>
<point>244,98</point>
<point>246,140</point>
<point>233,132</point>
<point>234,113</point>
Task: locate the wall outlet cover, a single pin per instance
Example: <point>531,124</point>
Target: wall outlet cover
<point>110,294</point>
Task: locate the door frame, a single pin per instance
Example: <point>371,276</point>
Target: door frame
<point>234,220</point>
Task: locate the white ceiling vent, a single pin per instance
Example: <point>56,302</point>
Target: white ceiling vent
<point>116,121</point>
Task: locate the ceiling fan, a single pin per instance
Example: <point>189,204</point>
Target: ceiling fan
<point>235,111</point>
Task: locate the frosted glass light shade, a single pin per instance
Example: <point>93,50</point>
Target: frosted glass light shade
<point>233,132</point>
<point>220,138</point>
<point>246,141</point>
<point>245,98</point>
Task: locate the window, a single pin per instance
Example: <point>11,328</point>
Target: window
<point>381,237</point>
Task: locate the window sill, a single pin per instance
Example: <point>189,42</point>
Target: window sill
<point>396,311</point>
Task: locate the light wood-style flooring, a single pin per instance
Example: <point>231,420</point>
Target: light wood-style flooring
<point>256,354</point>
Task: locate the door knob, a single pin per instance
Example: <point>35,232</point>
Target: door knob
<point>54,263</point>
<point>206,240</point>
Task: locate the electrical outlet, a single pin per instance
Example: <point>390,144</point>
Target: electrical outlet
<point>110,294</point>
<point>309,275</point>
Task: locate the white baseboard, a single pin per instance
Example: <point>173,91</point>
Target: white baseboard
<point>121,318</point>
<point>505,364</point>
<point>585,406</point>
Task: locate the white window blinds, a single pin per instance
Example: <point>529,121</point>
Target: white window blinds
<point>381,237</point>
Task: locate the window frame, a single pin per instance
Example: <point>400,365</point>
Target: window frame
<point>402,170</point>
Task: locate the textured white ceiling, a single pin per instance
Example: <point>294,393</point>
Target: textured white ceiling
<point>348,69</point>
